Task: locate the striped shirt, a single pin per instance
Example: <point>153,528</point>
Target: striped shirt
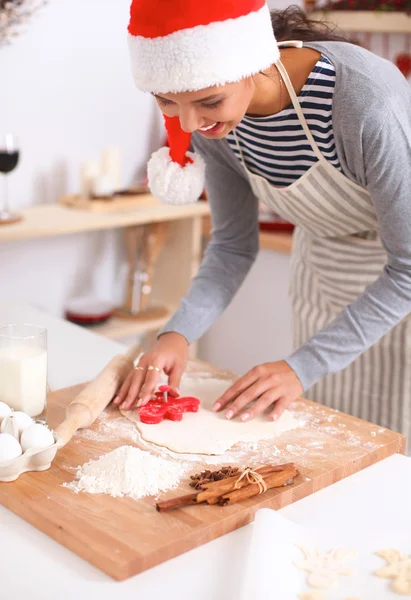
<point>276,146</point>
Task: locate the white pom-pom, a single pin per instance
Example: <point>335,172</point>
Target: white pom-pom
<point>173,184</point>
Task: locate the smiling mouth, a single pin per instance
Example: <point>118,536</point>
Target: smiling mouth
<point>216,127</point>
<point>208,128</point>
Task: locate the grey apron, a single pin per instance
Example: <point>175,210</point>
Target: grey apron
<point>337,253</point>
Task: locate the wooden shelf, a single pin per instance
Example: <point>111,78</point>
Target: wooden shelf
<point>116,329</point>
<point>277,241</point>
<point>367,21</point>
<point>176,265</point>
<point>50,220</point>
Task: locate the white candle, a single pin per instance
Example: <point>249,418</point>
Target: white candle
<point>89,172</point>
<point>103,185</point>
<point>111,165</point>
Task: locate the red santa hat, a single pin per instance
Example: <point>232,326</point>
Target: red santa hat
<point>189,45</point>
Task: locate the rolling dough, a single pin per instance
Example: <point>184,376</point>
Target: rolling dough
<point>207,432</point>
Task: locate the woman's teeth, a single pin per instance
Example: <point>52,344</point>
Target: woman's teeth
<point>207,128</point>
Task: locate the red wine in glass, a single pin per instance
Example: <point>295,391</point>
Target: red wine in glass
<point>9,158</point>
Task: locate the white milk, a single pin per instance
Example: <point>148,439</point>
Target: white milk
<point>23,378</point>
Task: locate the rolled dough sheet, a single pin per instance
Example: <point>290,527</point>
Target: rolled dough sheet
<point>207,432</point>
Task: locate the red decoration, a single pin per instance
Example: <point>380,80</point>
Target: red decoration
<point>372,5</point>
<point>276,226</point>
<point>403,62</point>
<point>157,410</point>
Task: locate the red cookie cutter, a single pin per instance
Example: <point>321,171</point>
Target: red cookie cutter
<point>164,391</point>
<point>164,407</point>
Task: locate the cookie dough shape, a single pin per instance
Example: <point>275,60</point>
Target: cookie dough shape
<point>398,569</point>
<point>324,568</point>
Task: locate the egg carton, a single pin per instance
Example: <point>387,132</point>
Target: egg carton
<point>31,460</point>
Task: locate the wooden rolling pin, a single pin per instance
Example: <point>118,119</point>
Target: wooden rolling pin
<point>93,399</point>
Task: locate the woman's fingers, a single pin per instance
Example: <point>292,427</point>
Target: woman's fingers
<point>169,355</point>
<point>252,393</point>
<point>142,382</point>
<point>279,408</point>
<point>122,393</point>
<point>175,375</point>
<point>146,391</point>
<point>133,392</point>
<point>236,389</point>
<point>271,396</point>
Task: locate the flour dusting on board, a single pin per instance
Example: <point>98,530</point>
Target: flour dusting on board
<point>128,471</point>
<point>323,435</point>
<point>120,429</point>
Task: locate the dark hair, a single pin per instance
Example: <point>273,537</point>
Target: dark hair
<point>294,24</point>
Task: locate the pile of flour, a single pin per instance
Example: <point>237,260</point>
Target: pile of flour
<point>128,471</point>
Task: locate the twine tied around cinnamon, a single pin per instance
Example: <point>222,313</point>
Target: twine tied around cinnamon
<point>252,477</point>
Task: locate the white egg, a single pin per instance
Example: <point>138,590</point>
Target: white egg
<point>9,448</point>
<point>36,436</point>
<point>4,410</point>
<point>8,425</point>
<point>21,421</point>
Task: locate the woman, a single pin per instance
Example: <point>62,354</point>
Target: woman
<point>321,132</point>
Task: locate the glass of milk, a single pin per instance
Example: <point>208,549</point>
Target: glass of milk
<point>23,368</point>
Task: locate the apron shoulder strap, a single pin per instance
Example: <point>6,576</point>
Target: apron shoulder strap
<point>292,43</point>
<point>295,101</point>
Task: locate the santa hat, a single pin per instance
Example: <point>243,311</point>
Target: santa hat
<point>189,45</point>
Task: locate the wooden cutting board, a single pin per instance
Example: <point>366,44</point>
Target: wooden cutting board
<point>123,537</point>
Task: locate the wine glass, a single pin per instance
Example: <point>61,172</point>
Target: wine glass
<point>9,157</point>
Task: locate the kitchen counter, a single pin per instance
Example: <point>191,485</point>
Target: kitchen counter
<point>34,567</point>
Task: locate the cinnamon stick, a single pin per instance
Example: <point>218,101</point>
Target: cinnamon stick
<point>218,488</point>
<point>224,491</point>
<point>274,480</point>
<point>186,500</point>
<point>261,470</point>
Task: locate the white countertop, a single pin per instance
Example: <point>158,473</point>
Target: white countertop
<point>34,567</point>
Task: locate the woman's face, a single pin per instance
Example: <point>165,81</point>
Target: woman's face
<point>213,112</point>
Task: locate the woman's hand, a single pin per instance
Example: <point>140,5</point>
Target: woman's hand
<point>170,354</point>
<point>273,383</point>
